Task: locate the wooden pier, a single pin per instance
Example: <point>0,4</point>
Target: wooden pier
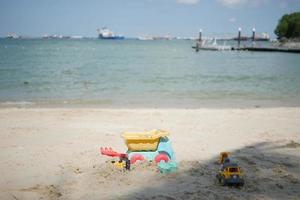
<point>268,49</point>
<point>200,46</point>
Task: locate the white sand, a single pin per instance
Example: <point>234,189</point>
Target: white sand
<point>53,153</point>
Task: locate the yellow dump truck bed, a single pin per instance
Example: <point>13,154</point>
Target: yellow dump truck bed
<point>143,141</point>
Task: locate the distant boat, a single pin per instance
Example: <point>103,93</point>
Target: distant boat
<point>105,33</point>
<point>145,38</point>
<point>212,47</point>
<point>46,36</point>
<point>12,36</point>
<point>76,37</point>
<point>166,37</point>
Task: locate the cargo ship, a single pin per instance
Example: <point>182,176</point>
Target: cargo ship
<point>106,34</point>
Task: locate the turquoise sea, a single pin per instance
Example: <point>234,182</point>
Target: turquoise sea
<point>132,73</point>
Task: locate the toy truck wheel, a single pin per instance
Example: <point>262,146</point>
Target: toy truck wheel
<point>241,184</point>
<point>160,157</point>
<point>222,181</point>
<point>136,157</point>
<point>218,178</point>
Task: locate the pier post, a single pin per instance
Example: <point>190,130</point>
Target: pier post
<point>200,35</point>
<point>239,37</point>
<point>199,42</point>
<point>253,34</point>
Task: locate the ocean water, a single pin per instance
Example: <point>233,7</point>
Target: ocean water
<point>132,73</point>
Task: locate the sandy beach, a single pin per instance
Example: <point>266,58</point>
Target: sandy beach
<point>53,153</point>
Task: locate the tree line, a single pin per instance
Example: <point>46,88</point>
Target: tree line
<point>288,26</point>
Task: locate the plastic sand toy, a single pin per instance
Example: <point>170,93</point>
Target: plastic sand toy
<point>152,145</point>
<point>123,162</point>
<point>230,172</point>
<point>144,141</point>
<point>167,167</point>
<point>223,157</point>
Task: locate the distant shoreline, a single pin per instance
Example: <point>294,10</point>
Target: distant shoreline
<point>290,44</point>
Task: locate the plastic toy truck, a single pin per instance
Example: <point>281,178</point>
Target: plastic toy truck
<point>224,157</point>
<point>230,173</point>
<point>152,145</point>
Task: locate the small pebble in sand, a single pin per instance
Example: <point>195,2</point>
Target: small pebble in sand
<point>279,185</point>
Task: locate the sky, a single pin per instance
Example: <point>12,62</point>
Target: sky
<point>132,18</point>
